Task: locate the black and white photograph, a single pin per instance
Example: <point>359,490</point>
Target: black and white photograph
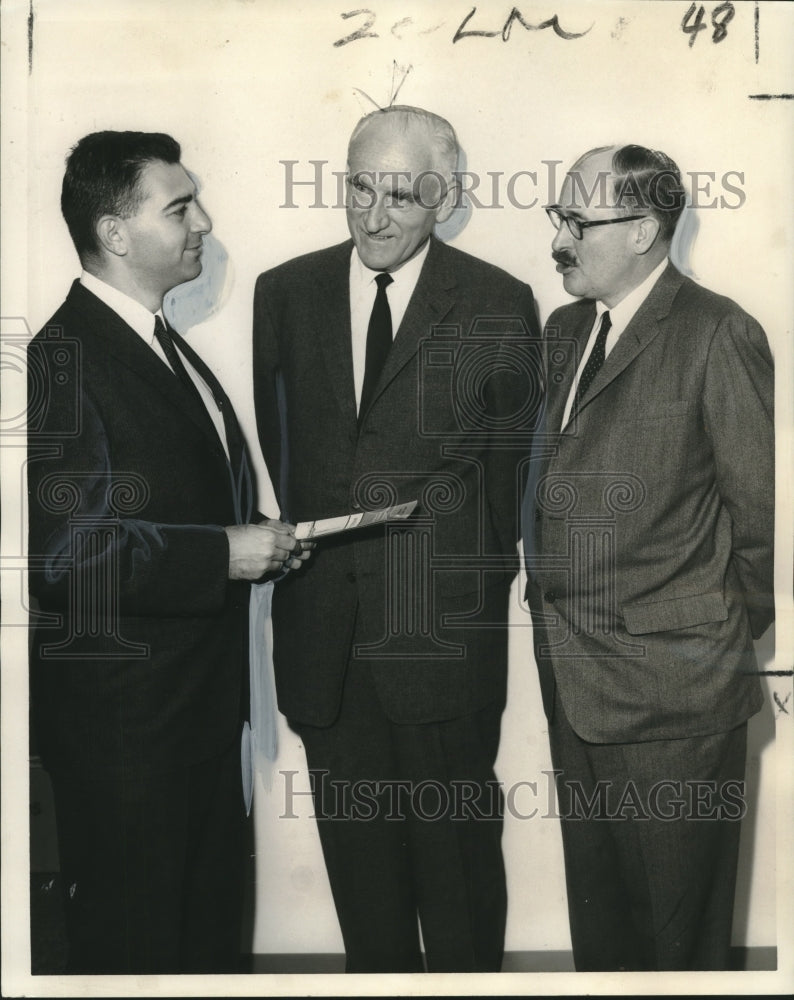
<point>397,540</point>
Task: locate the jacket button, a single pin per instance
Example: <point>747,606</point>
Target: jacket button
<point>355,505</point>
<point>351,577</point>
<point>550,596</point>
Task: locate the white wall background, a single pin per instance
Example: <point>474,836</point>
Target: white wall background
<point>243,84</point>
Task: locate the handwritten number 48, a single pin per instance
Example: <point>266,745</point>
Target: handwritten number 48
<point>720,18</point>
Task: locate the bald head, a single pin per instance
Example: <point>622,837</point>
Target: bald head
<point>400,183</point>
<point>641,180</point>
<point>425,130</point>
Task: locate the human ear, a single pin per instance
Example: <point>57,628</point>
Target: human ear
<point>112,235</point>
<point>449,201</point>
<point>645,234</point>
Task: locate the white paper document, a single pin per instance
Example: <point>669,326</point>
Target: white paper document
<point>333,525</point>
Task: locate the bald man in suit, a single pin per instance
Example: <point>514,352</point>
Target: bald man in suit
<point>400,703</point>
<point>648,529</point>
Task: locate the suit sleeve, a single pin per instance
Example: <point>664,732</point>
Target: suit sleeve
<point>268,399</point>
<point>738,408</point>
<point>78,542</point>
<point>515,394</point>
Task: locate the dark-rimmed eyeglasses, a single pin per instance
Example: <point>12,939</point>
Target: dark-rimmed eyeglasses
<point>578,226</point>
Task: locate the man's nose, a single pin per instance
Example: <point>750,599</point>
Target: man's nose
<point>201,222</point>
<point>562,238</point>
<point>376,217</point>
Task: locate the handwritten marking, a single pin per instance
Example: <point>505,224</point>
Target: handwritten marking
<point>405,71</point>
<point>619,28</point>
<point>363,94</point>
<point>31,19</point>
<point>771,97</point>
<point>460,33</point>
<point>363,31</point>
<point>757,29</point>
<point>721,17</point>
<point>399,27</point>
<point>781,704</point>
<point>513,16</point>
<point>401,24</point>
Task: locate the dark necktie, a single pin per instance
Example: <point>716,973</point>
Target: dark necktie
<point>594,362</point>
<point>379,341</point>
<point>165,340</point>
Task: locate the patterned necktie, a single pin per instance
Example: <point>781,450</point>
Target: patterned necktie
<point>379,341</point>
<point>594,362</point>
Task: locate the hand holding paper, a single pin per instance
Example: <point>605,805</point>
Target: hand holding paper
<point>267,547</point>
<point>347,522</point>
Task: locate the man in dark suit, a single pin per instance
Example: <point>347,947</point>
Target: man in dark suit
<point>648,526</point>
<point>400,369</point>
<point>140,557</point>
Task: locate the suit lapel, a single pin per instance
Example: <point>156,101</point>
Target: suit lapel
<point>125,345</point>
<point>239,465</point>
<point>432,299</point>
<point>643,327</point>
<point>333,326</point>
<point>558,392</point>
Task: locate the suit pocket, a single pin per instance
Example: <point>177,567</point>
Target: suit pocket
<point>678,612</point>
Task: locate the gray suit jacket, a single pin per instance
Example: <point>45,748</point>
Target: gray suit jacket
<point>649,522</point>
<point>449,425</point>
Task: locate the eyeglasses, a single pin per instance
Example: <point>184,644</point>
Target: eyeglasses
<point>578,226</point>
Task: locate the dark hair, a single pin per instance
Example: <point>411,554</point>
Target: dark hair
<point>102,178</point>
<point>648,180</point>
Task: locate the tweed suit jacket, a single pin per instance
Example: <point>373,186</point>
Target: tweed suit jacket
<point>445,428</point>
<point>650,519</point>
<point>140,653</point>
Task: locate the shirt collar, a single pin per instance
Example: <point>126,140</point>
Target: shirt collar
<point>133,313</point>
<point>407,275</point>
<point>622,314</point>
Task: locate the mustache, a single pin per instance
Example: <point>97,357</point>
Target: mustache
<point>564,257</point>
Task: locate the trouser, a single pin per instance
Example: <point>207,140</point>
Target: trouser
<point>410,822</point>
<point>651,839</point>
<point>152,868</point>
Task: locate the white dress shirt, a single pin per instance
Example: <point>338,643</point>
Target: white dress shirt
<point>620,315</point>
<point>141,320</point>
<point>362,298</point>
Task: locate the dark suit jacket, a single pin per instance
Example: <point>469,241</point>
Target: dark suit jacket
<point>448,425</point>
<point>652,531</point>
<point>139,659</point>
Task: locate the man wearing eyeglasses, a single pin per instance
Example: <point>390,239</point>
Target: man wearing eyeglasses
<point>648,531</point>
